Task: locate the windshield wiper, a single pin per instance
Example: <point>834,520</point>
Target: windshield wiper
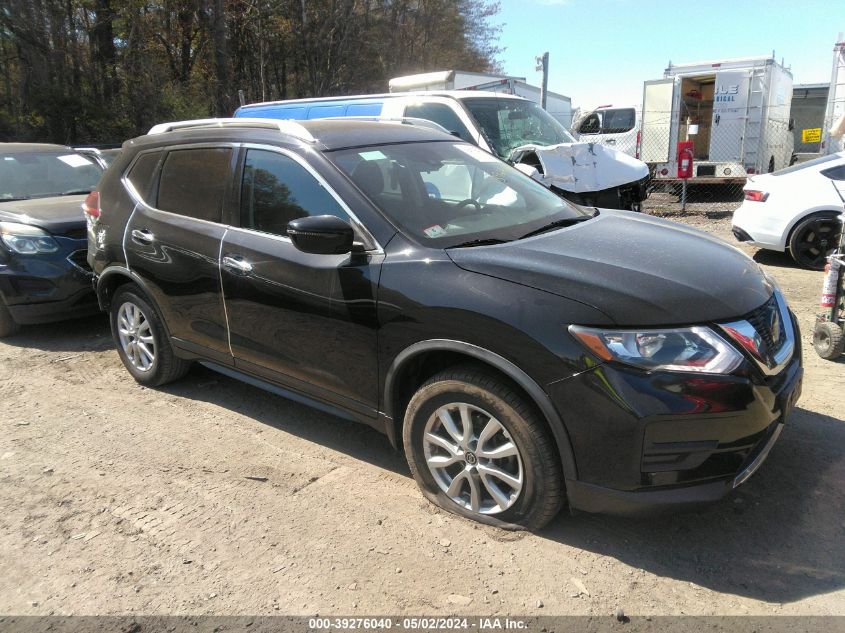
<point>485,242</point>
<point>75,192</point>
<point>557,224</point>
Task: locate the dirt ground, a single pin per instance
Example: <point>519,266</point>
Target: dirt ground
<point>211,496</point>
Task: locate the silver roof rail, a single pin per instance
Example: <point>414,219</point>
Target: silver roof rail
<point>407,120</point>
<point>292,128</point>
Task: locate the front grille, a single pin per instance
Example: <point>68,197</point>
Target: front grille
<point>767,333</point>
<point>766,320</point>
<point>80,260</point>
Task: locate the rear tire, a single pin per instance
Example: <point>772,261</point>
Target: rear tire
<point>478,449</point>
<point>8,325</point>
<point>812,239</point>
<point>142,341</point>
<point>828,340</point>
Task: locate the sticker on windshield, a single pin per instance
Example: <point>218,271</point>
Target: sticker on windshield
<point>435,231</point>
<point>375,155</point>
<point>75,160</point>
<point>477,153</point>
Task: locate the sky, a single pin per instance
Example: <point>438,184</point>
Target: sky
<point>601,51</point>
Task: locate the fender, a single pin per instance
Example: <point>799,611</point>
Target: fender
<point>108,273</point>
<point>534,390</point>
<point>787,234</point>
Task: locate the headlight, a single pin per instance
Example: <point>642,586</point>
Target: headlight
<point>26,240</point>
<point>695,349</point>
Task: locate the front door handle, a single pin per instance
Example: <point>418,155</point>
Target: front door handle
<point>236,264</point>
<point>143,236</point>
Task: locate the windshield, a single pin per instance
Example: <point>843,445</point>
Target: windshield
<point>447,194</point>
<point>511,123</point>
<point>43,174</point>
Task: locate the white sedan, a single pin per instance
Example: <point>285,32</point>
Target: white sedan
<point>794,209</point>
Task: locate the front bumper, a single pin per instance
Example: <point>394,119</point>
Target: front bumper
<point>645,441</point>
<point>41,289</point>
<point>626,197</point>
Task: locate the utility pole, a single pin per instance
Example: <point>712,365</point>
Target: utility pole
<point>543,65</point>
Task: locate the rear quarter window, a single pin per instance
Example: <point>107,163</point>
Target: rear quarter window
<point>805,165</point>
<point>835,173</point>
<point>140,175</point>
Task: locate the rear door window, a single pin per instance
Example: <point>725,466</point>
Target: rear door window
<point>193,182</point>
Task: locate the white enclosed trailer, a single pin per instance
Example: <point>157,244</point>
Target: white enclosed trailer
<point>558,105</point>
<point>735,111</point>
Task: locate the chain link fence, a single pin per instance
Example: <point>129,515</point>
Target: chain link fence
<point>716,151</point>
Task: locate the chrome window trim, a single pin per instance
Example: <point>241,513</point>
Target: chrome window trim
<point>377,249</point>
<point>784,354</point>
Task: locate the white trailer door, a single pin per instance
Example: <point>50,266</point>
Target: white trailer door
<point>657,120</point>
<point>730,111</point>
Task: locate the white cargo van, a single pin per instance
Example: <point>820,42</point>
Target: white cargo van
<point>558,105</point>
<point>740,110</point>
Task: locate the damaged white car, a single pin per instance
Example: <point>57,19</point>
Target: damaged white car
<point>514,129</point>
<point>522,133</point>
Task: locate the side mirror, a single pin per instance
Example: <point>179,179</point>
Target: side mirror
<point>321,235</point>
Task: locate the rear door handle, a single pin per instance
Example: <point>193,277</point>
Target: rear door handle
<point>236,264</point>
<point>143,236</point>
<point>611,141</point>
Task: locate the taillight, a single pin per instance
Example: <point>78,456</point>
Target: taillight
<point>756,196</point>
<point>637,155</point>
<point>91,206</point>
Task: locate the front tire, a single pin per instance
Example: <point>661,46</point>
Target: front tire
<point>142,341</point>
<point>828,340</point>
<point>478,449</point>
<point>812,240</point>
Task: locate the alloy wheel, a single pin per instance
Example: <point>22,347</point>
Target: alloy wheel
<point>473,458</point>
<point>136,336</point>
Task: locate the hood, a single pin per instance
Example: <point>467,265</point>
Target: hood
<point>638,270</point>
<point>57,215</point>
<point>582,167</point>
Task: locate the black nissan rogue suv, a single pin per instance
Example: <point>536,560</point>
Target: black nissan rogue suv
<point>526,352</point>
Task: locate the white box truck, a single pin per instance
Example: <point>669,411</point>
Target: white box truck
<point>558,105</point>
<point>735,111</point>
